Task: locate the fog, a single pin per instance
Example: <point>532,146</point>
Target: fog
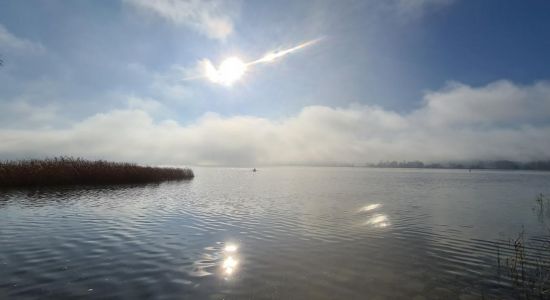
<point>501,120</point>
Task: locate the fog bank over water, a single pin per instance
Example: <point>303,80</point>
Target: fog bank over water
<point>501,120</point>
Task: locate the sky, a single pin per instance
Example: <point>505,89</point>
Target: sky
<point>430,80</point>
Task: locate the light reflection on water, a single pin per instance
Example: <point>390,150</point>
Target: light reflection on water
<point>223,257</point>
<point>370,207</point>
<point>303,233</point>
<point>230,262</point>
<point>229,265</point>
<point>231,248</point>
<point>378,221</point>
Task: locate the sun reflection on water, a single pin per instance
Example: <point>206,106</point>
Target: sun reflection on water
<point>378,221</point>
<point>231,248</point>
<point>229,265</point>
<point>230,261</point>
<point>370,207</point>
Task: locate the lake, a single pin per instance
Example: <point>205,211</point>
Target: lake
<point>279,233</point>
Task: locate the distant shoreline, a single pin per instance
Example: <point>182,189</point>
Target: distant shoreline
<point>474,165</point>
<point>463,169</point>
<point>503,165</point>
<point>77,171</point>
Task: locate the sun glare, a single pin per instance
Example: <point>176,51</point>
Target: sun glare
<point>229,71</point>
<point>230,248</point>
<point>233,68</point>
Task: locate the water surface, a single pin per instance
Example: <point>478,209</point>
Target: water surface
<point>279,233</point>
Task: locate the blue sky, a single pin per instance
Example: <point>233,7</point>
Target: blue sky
<point>70,63</point>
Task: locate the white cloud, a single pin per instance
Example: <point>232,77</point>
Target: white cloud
<point>11,42</point>
<point>23,112</point>
<point>498,121</point>
<point>212,18</point>
<point>499,103</point>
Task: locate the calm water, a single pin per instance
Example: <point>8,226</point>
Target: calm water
<point>280,233</point>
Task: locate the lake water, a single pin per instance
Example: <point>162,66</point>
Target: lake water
<point>279,233</point>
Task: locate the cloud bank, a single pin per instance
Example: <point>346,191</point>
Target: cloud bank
<point>501,120</point>
<point>212,18</point>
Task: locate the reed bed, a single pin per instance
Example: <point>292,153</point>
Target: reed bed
<point>526,263</point>
<point>76,171</point>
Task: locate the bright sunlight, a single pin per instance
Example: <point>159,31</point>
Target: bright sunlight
<point>230,70</point>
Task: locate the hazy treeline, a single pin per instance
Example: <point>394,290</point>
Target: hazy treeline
<point>493,164</point>
<point>68,170</point>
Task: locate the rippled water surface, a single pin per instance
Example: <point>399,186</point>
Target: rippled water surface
<point>279,233</point>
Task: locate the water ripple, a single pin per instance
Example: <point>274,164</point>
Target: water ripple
<point>303,233</point>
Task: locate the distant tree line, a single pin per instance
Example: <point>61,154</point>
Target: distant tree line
<point>493,164</point>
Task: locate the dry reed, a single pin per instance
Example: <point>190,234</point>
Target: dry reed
<point>72,171</point>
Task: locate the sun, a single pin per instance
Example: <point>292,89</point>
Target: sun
<point>232,69</point>
<point>229,71</point>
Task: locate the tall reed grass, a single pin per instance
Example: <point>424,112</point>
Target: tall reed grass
<point>72,171</point>
<point>527,264</point>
